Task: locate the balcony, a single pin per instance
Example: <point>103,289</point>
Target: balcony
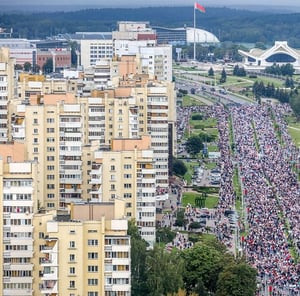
<point>17,292</point>
<point>49,287</point>
<point>52,275</point>
<point>46,262</point>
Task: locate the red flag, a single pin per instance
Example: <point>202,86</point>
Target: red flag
<point>199,7</point>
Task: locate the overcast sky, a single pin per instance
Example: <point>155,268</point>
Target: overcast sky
<point>148,3</point>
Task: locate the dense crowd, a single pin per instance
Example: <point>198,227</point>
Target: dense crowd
<point>266,158</point>
<point>271,191</point>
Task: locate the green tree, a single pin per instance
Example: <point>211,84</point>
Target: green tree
<point>74,48</point>
<point>18,67</point>
<point>138,261</point>
<point>211,72</point>
<point>48,66</point>
<point>260,45</point>
<point>164,272</point>
<point>164,235</point>
<point>27,66</point>
<point>194,145</point>
<point>202,267</point>
<point>295,104</point>
<point>223,76</point>
<point>180,219</point>
<point>179,168</point>
<point>236,280</point>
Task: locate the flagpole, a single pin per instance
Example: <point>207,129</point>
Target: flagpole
<point>194,33</point>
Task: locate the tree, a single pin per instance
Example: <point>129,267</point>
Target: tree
<point>260,45</point>
<point>295,104</point>
<point>179,168</point>
<point>236,280</point>
<point>164,272</point>
<point>211,72</point>
<point>48,66</point>
<point>27,66</point>
<point>180,219</point>
<point>164,235</point>
<point>223,76</point>
<point>138,258</point>
<point>202,267</point>
<point>289,82</point>
<point>194,145</point>
<point>18,67</point>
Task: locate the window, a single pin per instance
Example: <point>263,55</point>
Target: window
<point>72,284</point>
<point>92,255</point>
<point>71,244</point>
<point>112,168</point>
<point>72,270</point>
<point>92,293</point>
<point>92,282</point>
<point>93,242</point>
<point>93,268</point>
<point>72,257</point>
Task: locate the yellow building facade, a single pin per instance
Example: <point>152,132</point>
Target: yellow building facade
<point>85,252</point>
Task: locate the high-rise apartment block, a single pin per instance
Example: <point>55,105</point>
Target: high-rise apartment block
<point>18,205</point>
<point>7,88</point>
<point>79,158</point>
<point>86,252</point>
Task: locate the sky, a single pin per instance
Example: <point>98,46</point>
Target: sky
<point>149,3</point>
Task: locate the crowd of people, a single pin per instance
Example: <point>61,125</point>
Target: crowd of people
<point>265,156</point>
<point>271,194</point>
<point>180,242</point>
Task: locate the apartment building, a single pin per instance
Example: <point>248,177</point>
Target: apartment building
<point>54,138</point>
<point>18,204</point>
<point>7,87</point>
<point>33,84</point>
<point>92,50</point>
<point>86,252</point>
<point>128,30</point>
<point>131,38</point>
<point>127,171</point>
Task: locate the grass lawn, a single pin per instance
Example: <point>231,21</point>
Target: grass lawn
<point>189,101</point>
<point>190,166</point>
<point>206,123</point>
<point>236,183</point>
<point>189,197</point>
<point>212,148</point>
<point>210,165</point>
<point>212,131</point>
<point>294,129</point>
